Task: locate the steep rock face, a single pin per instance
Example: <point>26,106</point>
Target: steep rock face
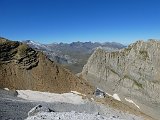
<point>21,67</point>
<point>132,73</point>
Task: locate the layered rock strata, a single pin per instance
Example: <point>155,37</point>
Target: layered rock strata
<point>133,74</point>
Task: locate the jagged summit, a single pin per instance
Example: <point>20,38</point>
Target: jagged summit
<point>21,67</point>
<point>141,42</point>
<point>18,53</point>
<point>132,73</point>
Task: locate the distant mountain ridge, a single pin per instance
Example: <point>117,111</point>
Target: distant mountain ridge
<point>72,55</point>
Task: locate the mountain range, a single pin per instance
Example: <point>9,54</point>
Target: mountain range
<point>73,55</point>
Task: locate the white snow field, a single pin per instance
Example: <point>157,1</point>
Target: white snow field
<point>51,97</point>
<point>115,96</point>
<point>131,101</point>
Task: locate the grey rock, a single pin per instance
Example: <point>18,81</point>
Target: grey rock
<point>99,93</point>
<point>39,108</point>
<point>132,73</point>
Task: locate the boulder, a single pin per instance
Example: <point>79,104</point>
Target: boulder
<point>39,108</point>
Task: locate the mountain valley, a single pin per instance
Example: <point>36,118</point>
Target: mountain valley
<point>72,56</point>
<point>118,84</point>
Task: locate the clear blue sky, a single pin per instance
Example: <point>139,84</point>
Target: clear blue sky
<point>48,21</point>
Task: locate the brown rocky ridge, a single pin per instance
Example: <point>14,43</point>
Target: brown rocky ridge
<point>131,73</point>
<point>21,67</point>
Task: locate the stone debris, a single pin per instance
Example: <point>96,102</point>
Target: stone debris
<point>71,116</point>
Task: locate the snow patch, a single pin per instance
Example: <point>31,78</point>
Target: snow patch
<point>78,93</point>
<point>50,97</point>
<point>6,89</point>
<point>92,99</point>
<point>131,101</point>
<point>109,94</point>
<point>115,96</point>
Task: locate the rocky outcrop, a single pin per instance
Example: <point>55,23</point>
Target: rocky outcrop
<point>131,73</point>
<point>39,108</point>
<point>21,67</point>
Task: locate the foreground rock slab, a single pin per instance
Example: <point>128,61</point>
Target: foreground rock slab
<point>71,116</point>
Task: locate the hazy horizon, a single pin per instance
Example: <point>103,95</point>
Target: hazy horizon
<point>49,21</point>
<point>64,42</point>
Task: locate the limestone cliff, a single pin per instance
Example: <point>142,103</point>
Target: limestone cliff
<point>132,73</point>
<point>21,67</point>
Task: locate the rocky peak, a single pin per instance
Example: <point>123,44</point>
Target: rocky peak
<point>132,73</point>
<point>20,54</point>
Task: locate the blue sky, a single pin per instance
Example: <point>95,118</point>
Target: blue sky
<point>48,21</point>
